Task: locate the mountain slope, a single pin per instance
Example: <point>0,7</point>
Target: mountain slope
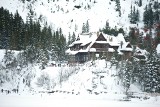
<point>70,13</point>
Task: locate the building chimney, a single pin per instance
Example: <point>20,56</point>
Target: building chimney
<point>97,34</point>
<point>121,44</point>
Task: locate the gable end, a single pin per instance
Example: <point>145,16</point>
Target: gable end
<point>101,38</point>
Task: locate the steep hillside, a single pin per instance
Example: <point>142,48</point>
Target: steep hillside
<point>71,14</point>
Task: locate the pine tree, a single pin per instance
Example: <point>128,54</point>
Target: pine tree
<point>157,38</point>
<point>114,60</point>
<point>76,27</point>
<point>9,60</point>
<point>137,16</point>
<point>134,15</point>
<point>43,58</point>
<point>156,16</point>
<point>18,36</point>
<point>141,75</point>
<point>107,28</point>
<point>140,3</point>
<point>132,36</point>
<point>60,45</point>
<point>150,16</point>
<point>5,37</point>
<point>118,7</point>
<point>69,39</point>
<point>156,5</point>
<point>87,27</point>
<point>127,75</point>
<point>152,76</point>
<point>73,38</point>
<point>145,16</point>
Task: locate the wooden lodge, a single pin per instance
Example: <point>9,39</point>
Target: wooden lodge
<point>91,46</point>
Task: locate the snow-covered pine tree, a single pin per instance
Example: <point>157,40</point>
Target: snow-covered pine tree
<point>135,71</point>
<point>137,15</point>
<point>134,15</point>
<point>141,76</point>
<point>127,75</point>
<point>145,16</point>
<point>43,58</point>
<point>152,75</point>
<point>9,65</point>
<point>73,37</point>
<point>87,27</point>
<point>122,65</point>
<point>150,15</point>
<point>31,54</point>
<point>83,28</point>
<point>156,16</point>
<point>156,5</point>
<point>140,3</point>
<point>9,60</point>
<point>114,61</point>
<point>76,27</point>
<point>69,39</point>
<point>118,7</point>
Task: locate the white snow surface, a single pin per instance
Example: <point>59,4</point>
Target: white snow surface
<point>46,100</point>
<point>158,48</point>
<point>62,13</point>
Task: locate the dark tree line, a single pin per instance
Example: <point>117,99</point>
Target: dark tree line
<point>151,14</point>
<point>85,27</point>
<point>134,15</point>
<point>15,34</point>
<point>112,31</point>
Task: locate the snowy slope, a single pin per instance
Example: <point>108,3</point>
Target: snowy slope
<point>63,13</point>
<point>91,78</point>
<point>74,91</point>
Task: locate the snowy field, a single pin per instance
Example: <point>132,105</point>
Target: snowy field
<point>60,100</point>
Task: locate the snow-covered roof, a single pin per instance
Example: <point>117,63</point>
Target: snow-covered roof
<point>70,45</point>
<point>83,50</point>
<point>85,43</point>
<point>91,38</point>
<point>68,51</point>
<point>120,38</point>
<point>125,47</point>
<point>92,50</point>
<point>84,39</point>
<point>101,42</point>
<point>140,52</point>
<point>111,50</point>
<point>158,48</point>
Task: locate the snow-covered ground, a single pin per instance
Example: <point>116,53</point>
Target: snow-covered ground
<point>93,84</point>
<point>59,100</point>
